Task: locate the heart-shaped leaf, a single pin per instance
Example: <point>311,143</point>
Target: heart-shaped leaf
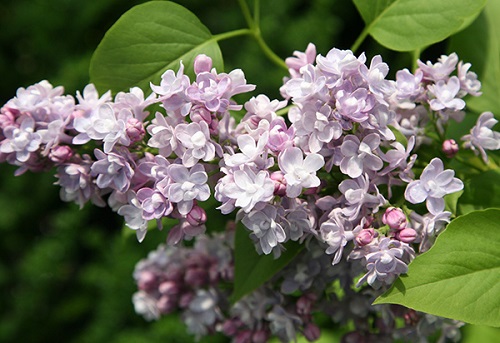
<point>147,40</point>
<point>406,25</point>
<point>459,277</point>
<point>251,270</point>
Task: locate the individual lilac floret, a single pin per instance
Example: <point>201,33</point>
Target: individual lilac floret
<point>336,232</point>
<point>482,137</point>
<point>21,140</point>
<point>450,148</point>
<point>132,213</point>
<point>195,143</point>
<point>359,156</point>
<point>301,59</point>
<point>469,83</point>
<point>249,188</point>
<point>299,172</point>
<point>153,203</point>
<point>446,93</point>
<point>112,170</point>
<point>187,185</point>
<point>172,89</point>
<point>202,312</point>
<point>395,218</point>
<point>264,226</point>
<point>434,184</point>
<point>358,197</point>
<point>388,261</point>
<point>439,70</point>
<point>162,135</point>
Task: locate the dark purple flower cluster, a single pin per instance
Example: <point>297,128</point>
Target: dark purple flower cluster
<point>193,281</point>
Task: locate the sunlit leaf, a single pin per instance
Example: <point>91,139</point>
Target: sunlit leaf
<point>406,25</point>
<point>147,40</point>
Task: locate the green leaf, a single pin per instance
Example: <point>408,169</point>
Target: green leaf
<point>459,277</point>
<point>147,40</point>
<point>475,333</point>
<point>484,55</point>
<point>251,270</point>
<point>480,192</point>
<point>406,25</point>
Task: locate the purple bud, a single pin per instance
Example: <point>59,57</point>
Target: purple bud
<point>169,288</point>
<point>279,183</point>
<point>244,337</point>
<point>312,332</point>
<point>196,277</point>
<point>305,303</point>
<point>450,148</point>
<point>202,63</point>
<point>60,154</point>
<point>135,130</point>
<point>147,281</point>
<point>365,236</point>
<point>395,218</point>
<point>186,299</point>
<point>260,336</point>
<point>407,235</point>
<point>230,327</point>
<point>166,304</point>
<point>197,216</point>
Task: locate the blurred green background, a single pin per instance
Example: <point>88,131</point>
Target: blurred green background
<point>65,273</point>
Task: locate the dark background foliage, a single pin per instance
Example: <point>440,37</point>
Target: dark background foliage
<point>65,273</point>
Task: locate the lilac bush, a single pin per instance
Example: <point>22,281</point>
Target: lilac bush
<point>333,168</point>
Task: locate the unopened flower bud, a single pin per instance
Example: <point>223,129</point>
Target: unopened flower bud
<point>135,130</point>
<point>147,281</point>
<point>202,63</point>
<point>407,235</point>
<point>60,154</point>
<point>305,303</point>
<point>450,148</point>
<point>395,218</point>
<point>169,288</point>
<point>260,336</point>
<point>244,337</point>
<point>230,327</point>
<point>279,183</point>
<point>186,299</point>
<point>312,332</point>
<point>197,216</point>
<point>365,236</point>
<point>166,304</point>
<point>196,277</point>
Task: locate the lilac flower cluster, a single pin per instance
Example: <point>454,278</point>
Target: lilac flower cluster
<point>327,175</point>
<point>187,280</point>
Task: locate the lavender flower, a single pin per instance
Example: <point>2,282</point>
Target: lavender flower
<point>264,226</point>
<point>482,137</point>
<point>359,156</point>
<point>299,173</point>
<point>112,170</point>
<point>445,93</point>
<point>434,184</point>
<point>187,185</point>
<point>22,140</point>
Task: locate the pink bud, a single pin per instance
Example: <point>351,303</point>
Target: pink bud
<point>169,288</point>
<point>196,277</point>
<point>450,148</point>
<point>135,130</point>
<point>166,304</point>
<point>279,183</point>
<point>312,332</point>
<point>305,303</point>
<point>186,299</point>
<point>244,337</point>
<point>407,235</point>
<point>202,63</point>
<point>260,336</point>
<point>60,154</point>
<point>395,218</point>
<point>147,281</point>
<point>365,236</point>
<point>230,327</point>
<point>197,216</point>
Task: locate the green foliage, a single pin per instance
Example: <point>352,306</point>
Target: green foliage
<point>419,23</point>
<point>146,41</point>
<point>459,277</point>
<point>480,192</point>
<point>251,270</point>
